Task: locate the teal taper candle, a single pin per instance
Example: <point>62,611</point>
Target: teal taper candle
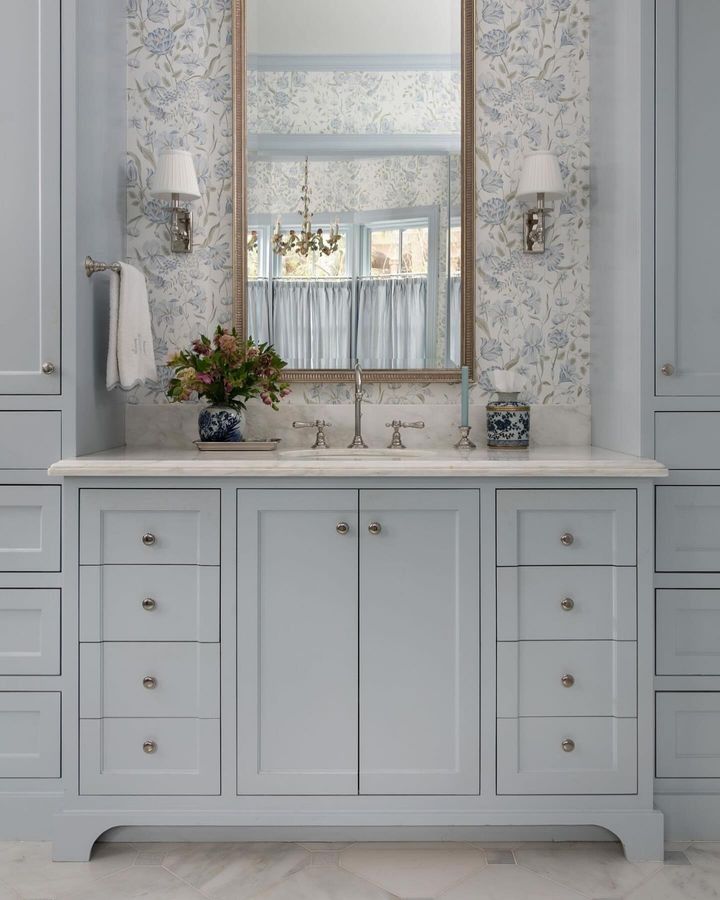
<point>465,397</point>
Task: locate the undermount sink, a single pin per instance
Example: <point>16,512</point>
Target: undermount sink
<point>352,453</point>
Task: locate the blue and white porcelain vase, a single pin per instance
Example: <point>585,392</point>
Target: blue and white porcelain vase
<point>218,423</point>
<point>508,423</point>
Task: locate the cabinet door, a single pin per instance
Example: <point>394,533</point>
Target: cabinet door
<point>30,221</point>
<point>688,131</point>
<point>297,642</point>
<point>419,642</point>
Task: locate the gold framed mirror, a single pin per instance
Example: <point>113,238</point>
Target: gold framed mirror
<point>333,261</point>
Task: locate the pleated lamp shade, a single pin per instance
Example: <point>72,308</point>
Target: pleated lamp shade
<point>176,175</point>
<point>541,175</point>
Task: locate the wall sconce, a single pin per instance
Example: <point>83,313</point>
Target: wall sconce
<point>176,181</point>
<point>540,182</point>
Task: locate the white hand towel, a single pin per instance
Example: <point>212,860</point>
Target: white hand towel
<point>131,357</point>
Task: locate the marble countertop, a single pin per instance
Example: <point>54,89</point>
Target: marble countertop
<point>541,462</point>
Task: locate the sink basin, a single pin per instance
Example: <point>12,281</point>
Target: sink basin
<point>352,453</point>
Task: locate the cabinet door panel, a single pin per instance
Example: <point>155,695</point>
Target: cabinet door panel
<point>30,221</point>
<point>687,528</point>
<point>419,642</point>
<point>297,642</point>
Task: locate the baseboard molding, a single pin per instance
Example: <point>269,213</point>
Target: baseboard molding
<point>690,817</point>
<point>29,817</point>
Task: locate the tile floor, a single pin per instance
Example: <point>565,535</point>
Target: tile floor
<point>359,872</point>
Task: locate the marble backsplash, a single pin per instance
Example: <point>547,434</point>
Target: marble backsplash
<point>175,426</point>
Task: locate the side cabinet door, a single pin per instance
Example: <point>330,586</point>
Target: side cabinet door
<point>419,642</point>
<point>30,223</point>
<point>297,642</point>
<point>688,314</point>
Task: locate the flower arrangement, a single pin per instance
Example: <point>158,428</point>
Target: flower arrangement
<point>228,372</point>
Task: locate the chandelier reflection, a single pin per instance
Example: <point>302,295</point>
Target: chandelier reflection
<point>306,241</point>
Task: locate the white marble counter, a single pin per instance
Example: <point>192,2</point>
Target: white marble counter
<point>540,462</point>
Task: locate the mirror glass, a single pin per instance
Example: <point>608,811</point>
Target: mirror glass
<point>353,182</point>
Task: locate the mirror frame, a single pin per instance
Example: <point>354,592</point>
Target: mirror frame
<point>467,165</point>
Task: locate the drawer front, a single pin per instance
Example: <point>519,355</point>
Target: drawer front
<point>687,528</point>
<point>583,603</point>
<point>29,631</point>
<point>688,440</point>
<point>186,757</point>
<point>566,527</point>
<point>600,677</point>
<point>531,758</point>
<point>149,680</point>
<point>150,603</point>
<point>688,632</point>
<point>688,734</point>
<point>29,735</point>
<point>30,440</point>
<point>30,528</point>
<point>180,527</point>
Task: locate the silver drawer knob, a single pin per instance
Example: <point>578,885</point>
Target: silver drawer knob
<point>375,528</point>
<point>149,747</point>
<point>149,539</point>
<point>567,539</point>
<point>149,604</point>
<point>568,745</point>
<point>668,369</point>
<point>342,528</point>
<point>48,368</point>
<point>567,681</point>
<point>149,683</point>
<point>567,604</point>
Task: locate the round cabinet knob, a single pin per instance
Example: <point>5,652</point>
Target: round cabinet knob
<point>668,369</point>
<point>149,747</point>
<point>567,539</point>
<point>342,528</point>
<point>374,528</point>
<point>567,604</point>
<point>149,539</point>
<point>149,604</point>
<point>567,681</point>
<point>48,368</point>
<point>149,683</point>
<point>568,745</point>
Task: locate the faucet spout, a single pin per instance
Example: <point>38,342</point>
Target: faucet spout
<point>358,442</point>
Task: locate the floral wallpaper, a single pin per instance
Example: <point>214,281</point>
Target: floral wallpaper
<point>533,92</point>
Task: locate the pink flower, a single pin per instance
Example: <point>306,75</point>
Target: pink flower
<point>200,347</point>
<point>227,343</point>
<point>204,377</point>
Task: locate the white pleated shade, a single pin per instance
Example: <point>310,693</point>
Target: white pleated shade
<point>541,175</point>
<point>176,175</point>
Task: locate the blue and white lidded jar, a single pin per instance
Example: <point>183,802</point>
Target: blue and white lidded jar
<point>219,423</point>
<point>508,423</point>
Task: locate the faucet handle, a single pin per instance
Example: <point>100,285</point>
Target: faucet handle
<point>321,425</point>
<point>396,424</point>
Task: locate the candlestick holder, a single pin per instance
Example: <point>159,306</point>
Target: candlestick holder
<point>465,443</point>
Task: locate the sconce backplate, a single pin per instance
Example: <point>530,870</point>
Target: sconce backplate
<point>534,231</point>
<point>181,230</point>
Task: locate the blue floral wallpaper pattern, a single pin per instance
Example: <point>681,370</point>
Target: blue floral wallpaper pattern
<point>533,92</point>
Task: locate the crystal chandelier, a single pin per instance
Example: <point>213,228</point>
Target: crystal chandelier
<point>306,241</point>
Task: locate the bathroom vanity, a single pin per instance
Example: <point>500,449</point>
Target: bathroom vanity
<point>437,641</point>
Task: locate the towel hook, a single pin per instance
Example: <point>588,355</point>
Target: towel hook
<point>92,267</point>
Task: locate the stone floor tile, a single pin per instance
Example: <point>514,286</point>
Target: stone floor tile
<point>413,873</point>
<point>679,883</point>
<point>324,884</point>
<point>235,871</point>
<point>325,858</point>
<point>500,857</point>
<point>137,882</point>
<point>705,856</point>
<point>677,845</point>
<point>509,883</point>
<point>676,858</point>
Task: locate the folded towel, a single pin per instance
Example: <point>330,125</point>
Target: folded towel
<point>131,358</point>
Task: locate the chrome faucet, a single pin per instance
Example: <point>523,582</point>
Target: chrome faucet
<point>358,443</point>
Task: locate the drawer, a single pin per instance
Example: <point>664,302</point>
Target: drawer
<point>186,680</point>
<point>566,527</point>
<point>688,440</point>
<point>186,757</point>
<point>687,528</point>
<point>687,632</point>
<point>543,603</point>
<point>30,528</point>
<point>602,678</point>
<point>150,603</point>
<point>531,758</point>
<point>29,631</point>
<point>30,440</point>
<point>180,527</point>
<point>29,735</point>
<point>687,740</point>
